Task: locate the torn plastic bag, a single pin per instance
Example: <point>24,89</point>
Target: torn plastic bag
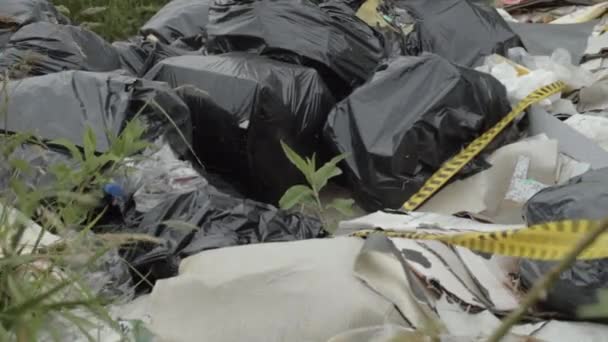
<point>108,276</point>
<point>558,63</point>
<point>179,19</point>
<point>583,197</point>
<point>138,55</point>
<point>463,31</point>
<point>259,103</point>
<point>207,219</point>
<point>155,176</point>
<point>410,118</point>
<point>328,37</point>
<point>71,101</point>
<point>43,48</point>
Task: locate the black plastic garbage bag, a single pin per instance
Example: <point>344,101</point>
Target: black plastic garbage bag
<point>63,105</point>
<point>207,219</point>
<point>583,197</point>
<point>135,55</point>
<point>179,19</point>
<point>463,31</point>
<point>354,4</point>
<point>252,104</point>
<point>543,39</point>
<point>328,37</point>
<point>576,287</point>
<point>43,48</point>
<point>23,12</point>
<point>410,118</point>
<point>138,55</point>
<point>17,13</point>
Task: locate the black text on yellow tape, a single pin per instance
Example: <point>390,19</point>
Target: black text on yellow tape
<point>548,241</point>
<point>454,165</point>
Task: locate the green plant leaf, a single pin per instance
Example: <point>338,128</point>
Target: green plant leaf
<point>296,160</point>
<point>91,25</point>
<point>35,301</point>
<point>60,170</point>
<point>70,146</point>
<point>92,11</point>
<point>90,143</point>
<point>140,332</point>
<point>180,225</point>
<point>342,205</point>
<point>20,164</point>
<point>327,172</point>
<point>83,325</point>
<point>63,10</point>
<point>297,194</point>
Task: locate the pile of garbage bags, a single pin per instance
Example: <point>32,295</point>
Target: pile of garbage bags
<point>396,87</point>
<point>327,37</point>
<point>261,103</point>
<point>18,13</point>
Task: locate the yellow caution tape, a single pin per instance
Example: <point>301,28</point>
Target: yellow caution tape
<point>454,165</point>
<point>548,241</point>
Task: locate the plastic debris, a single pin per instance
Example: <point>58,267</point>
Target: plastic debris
<point>159,175</point>
<point>538,71</point>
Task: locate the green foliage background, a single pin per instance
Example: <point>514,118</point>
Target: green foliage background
<point>112,19</point>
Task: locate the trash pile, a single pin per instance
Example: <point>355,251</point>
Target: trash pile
<point>453,116</point>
